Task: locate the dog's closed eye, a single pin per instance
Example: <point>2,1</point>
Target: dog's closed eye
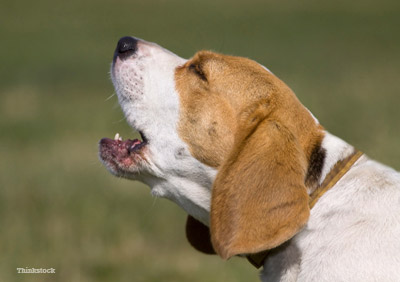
<point>196,68</point>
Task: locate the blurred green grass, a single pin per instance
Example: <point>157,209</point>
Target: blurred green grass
<point>60,208</point>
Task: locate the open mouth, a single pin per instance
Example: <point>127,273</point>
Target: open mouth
<point>122,155</point>
<point>129,145</point>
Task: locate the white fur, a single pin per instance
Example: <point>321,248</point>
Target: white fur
<point>353,233</point>
<point>146,91</point>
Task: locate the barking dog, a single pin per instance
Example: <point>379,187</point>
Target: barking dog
<point>258,175</point>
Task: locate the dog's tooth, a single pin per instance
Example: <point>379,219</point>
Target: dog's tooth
<point>117,137</point>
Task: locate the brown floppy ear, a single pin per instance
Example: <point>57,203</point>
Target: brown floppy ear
<point>259,199</point>
<point>199,236</point>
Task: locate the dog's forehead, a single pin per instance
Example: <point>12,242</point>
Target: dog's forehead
<point>237,79</point>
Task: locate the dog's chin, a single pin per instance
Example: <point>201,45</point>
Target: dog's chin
<point>123,158</point>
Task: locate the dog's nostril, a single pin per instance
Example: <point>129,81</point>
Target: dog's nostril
<point>126,44</point>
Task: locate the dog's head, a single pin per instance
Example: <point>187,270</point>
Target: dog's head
<point>222,137</point>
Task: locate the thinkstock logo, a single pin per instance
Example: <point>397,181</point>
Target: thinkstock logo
<point>31,270</point>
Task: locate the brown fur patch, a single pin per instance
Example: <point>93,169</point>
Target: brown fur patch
<point>214,89</point>
<point>238,117</point>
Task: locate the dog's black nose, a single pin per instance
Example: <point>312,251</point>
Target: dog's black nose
<point>126,47</point>
<point>126,44</point>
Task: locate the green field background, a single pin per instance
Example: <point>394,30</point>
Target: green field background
<point>60,208</point>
